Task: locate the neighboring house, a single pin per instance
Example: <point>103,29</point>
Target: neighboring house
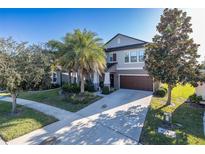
<point>59,77</point>
<point>200,89</point>
<point>125,69</point>
<point>125,65</point>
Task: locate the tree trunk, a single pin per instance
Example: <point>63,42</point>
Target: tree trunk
<point>69,77</point>
<point>13,103</point>
<point>82,88</point>
<point>169,95</point>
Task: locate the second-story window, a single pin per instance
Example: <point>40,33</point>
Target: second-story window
<point>133,56</point>
<point>127,57</point>
<point>141,56</point>
<point>114,57</point>
<point>111,58</point>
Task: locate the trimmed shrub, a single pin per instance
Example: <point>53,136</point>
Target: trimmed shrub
<point>84,98</point>
<point>71,88</point>
<point>105,90</point>
<point>195,99</point>
<point>101,84</point>
<point>161,92</point>
<point>89,86</point>
<point>55,85</point>
<point>66,87</point>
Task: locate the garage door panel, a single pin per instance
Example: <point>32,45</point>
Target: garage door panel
<point>136,82</point>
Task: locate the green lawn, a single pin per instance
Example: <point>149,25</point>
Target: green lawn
<point>52,97</point>
<point>191,119</point>
<point>23,122</point>
<point>4,94</point>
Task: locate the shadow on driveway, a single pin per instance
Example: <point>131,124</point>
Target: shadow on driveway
<point>120,122</point>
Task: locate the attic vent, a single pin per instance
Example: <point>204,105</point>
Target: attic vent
<point>118,41</point>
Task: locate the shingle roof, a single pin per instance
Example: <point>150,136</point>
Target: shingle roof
<point>136,45</point>
<point>124,36</point>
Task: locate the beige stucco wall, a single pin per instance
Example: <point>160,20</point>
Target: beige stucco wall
<point>200,90</point>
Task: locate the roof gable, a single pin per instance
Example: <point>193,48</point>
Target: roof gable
<point>121,40</point>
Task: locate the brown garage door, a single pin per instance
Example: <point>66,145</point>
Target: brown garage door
<point>136,82</point>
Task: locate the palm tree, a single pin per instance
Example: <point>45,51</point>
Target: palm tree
<point>67,61</point>
<point>88,54</point>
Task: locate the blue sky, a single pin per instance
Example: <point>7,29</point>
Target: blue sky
<point>41,25</point>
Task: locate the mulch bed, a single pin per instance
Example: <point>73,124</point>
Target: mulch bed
<point>196,105</point>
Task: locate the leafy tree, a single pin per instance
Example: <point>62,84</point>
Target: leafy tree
<point>63,55</point>
<point>20,67</point>
<point>36,63</point>
<point>172,57</point>
<point>203,64</point>
<point>10,77</point>
<point>87,53</point>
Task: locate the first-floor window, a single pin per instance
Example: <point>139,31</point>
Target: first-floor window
<point>54,77</point>
<point>127,57</point>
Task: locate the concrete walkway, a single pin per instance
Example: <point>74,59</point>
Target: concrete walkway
<point>58,113</point>
<point>115,119</point>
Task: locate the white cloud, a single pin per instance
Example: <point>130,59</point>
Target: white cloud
<point>198,25</point>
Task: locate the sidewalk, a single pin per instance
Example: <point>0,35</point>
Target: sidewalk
<point>120,122</point>
<point>37,136</point>
<point>58,113</point>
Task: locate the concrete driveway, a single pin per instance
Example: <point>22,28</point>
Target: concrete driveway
<point>115,119</point>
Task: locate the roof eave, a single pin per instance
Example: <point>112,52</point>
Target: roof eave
<point>125,47</point>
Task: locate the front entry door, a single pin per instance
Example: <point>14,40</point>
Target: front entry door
<point>111,80</point>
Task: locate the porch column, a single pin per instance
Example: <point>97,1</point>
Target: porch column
<point>96,80</point>
<point>73,76</point>
<point>200,90</point>
<point>107,79</point>
<point>77,77</point>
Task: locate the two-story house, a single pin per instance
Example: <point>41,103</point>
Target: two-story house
<point>125,65</point>
<point>125,68</point>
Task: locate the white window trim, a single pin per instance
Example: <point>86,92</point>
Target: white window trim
<point>129,68</point>
<point>138,50</point>
<point>131,56</point>
<point>133,74</point>
<point>111,53</point>
<point>128,55</point>
<point>53,77</point>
